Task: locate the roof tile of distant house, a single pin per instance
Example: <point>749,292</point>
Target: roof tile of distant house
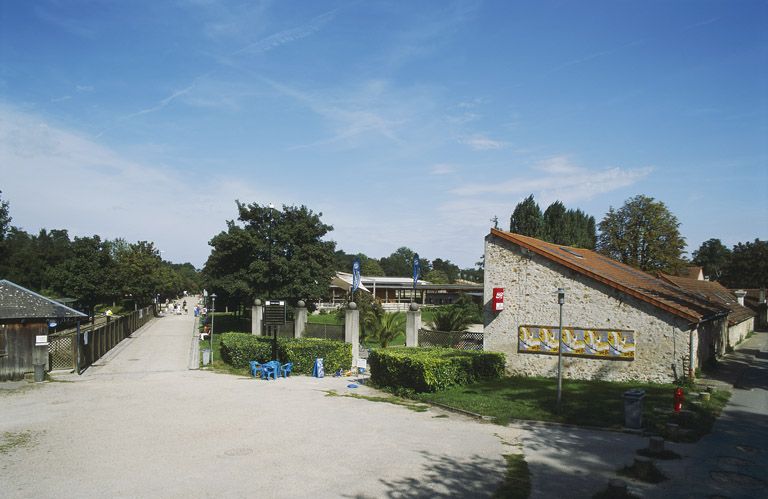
<point>714,292</point>
<point>622,277</point>
<point>17,302</point>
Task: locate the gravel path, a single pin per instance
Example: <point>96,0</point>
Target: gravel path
<point>141,424</point>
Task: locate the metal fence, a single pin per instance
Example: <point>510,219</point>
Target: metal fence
<point>325,331</point>
<point>452,339</point>
<point>78,350</point>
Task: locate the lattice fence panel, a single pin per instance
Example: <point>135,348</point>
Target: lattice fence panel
<point>61,352</point>
<point>452,339</point>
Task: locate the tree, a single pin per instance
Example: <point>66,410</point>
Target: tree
<point>527,218</point>
<point>386,327</point>
<point>271,254</point>
<point>140,274</point>
<point>450,270</point>
<point>5,218</point>
<point>451,318</point>
<point>554,225</point>
<point>474,274</point>
<point>580,229</point>
<point>642,233</point>
<point>748,267</point>
<point>87,274</point>
<point>713,256</point>
<point>436,276</point>
<point>400,263</point>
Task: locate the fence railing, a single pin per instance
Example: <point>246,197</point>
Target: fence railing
<point>326,331</point>
<point>460,340</point>
<point>79,350</point>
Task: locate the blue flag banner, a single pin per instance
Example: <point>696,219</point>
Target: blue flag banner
<point>355,274</point>
<point>416,269</point>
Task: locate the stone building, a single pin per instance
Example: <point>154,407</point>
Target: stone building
<point>619,323</point>
<point>741,320</point>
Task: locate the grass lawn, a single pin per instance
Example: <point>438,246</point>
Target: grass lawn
<point>585,403</point>
<point>329,319</point>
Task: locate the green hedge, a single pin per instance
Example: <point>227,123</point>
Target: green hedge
<point>237,349</point>
<point>433,369</point>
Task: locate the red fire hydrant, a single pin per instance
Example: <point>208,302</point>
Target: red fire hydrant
<point>679,398</point>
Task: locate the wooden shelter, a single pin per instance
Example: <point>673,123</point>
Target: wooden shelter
<point>24,315</point>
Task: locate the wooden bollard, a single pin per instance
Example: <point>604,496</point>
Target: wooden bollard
<point>656,445</point>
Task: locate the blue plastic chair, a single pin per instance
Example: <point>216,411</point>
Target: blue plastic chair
<point>255,367</point>
<point>270,369</point>
<point>286,369</point>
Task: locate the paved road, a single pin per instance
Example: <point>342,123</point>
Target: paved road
<point>140,424</point>
<point>733,460</point>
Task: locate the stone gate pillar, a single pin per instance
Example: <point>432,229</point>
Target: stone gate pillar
<point>257,316</point>
<point>412,325</point>
<point>299,319</point>
<point>352,331</point>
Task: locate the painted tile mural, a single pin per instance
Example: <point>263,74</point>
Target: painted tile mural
<point>578,342</point>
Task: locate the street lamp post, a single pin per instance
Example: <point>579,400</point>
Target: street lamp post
<point>560,301</point>
<point>269,275</point>
<point>213,309</point>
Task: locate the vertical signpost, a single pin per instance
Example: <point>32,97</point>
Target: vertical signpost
<point>416,272</point>
<point>355,276</point>
<point>560,301</point>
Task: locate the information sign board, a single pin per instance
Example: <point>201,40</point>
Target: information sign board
<point>274,313</point>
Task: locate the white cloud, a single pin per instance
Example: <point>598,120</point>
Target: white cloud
<point>481,142</point>
<point>559,179</point>
<point>55,178</point>
<point>442,169</point>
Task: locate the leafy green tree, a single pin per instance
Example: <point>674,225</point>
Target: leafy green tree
<point>20,263</point>
<point>527,218</point>
<point>748,266</point>
<point>271,254</point>
<point>451,270</point>
<point>713,256</point>
<point>642,233</point>
<point>400,263</point>
<point>436,276</point>
<point>580,229</point>
<point>87,273</point>
<point>5,218</point>
<point>140,273</point>
<point>474,274</point>
<point>555,225</point>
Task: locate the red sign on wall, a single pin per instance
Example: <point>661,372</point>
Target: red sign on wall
<point>498,299</point>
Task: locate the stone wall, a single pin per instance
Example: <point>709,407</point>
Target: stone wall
<point>738,332</point>
<point>530,285</point>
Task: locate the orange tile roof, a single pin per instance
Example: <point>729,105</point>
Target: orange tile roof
<point>622,277</point>
<point>714,292</point>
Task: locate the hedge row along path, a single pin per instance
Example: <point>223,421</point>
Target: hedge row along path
<point>141,424</point>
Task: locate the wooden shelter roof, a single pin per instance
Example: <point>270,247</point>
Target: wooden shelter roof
<point>17,302</point>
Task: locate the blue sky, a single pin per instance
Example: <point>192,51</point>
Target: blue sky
<point>404,123</point>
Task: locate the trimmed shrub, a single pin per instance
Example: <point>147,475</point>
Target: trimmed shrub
<point>237,349</point>
<point>433,369</point>
<point>303,352</point>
